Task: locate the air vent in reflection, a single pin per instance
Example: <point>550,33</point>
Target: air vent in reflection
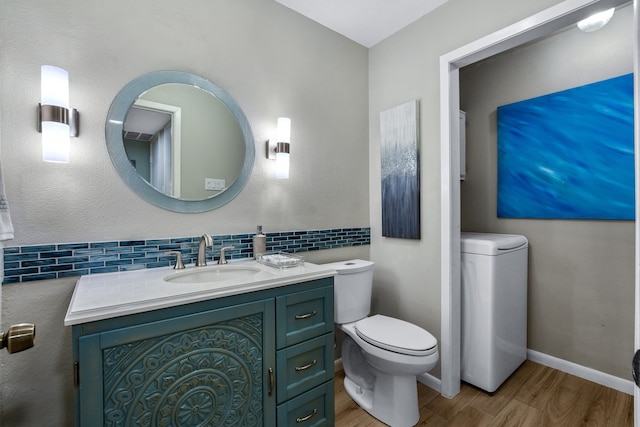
<point>137,136</point>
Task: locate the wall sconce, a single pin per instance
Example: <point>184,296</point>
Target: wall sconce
<point>596,21</point>
<point>56,121</point>
<point>278,150</point>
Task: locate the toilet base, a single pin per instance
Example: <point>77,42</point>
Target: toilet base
<point>394,399</point>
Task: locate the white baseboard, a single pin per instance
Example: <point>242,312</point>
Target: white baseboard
<point>598,377</point>
<point>431,381</point>
<point>607,380</point>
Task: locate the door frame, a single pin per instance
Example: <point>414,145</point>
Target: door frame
<point>543,23</point>
<point>176,138</point>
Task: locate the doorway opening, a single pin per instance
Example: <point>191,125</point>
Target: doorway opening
<point>532,28</point>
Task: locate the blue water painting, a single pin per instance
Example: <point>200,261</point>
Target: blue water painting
<point>569,154</point>
<point>400,171</point>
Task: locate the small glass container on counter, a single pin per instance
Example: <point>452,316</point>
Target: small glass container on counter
<point>280,260</point>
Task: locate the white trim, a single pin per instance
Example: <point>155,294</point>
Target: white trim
<point>636,94</point>
<point>542,23</point>
<point>431,381</point>
<point>450,231</point>
<point>176,138</point>
<point>598,377</point>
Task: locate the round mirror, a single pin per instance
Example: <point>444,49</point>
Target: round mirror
<point>180,141</point>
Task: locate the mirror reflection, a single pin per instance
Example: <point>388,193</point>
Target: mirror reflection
<point>183,141</point>
<point>179,141</point>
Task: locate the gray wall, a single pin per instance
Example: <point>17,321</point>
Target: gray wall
<point>37,384</point>
<point>271,60</point>
<point>401,68</point>
<point>211,141</point>
<point>274,63</point>
<point>581,281</point>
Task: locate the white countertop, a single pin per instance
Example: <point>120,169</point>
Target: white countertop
<point>103,296</point>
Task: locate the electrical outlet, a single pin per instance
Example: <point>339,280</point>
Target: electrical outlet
<point>213,184</point>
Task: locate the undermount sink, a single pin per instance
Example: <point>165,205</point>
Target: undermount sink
<point>212,274</point>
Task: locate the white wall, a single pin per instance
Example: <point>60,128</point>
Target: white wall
<point>271,60</point>
<point>37,384</point>
<point>404,67</point>
<point>581,292</point>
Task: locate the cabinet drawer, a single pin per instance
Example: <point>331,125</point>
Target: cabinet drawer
<point>303,315</point>
<point>313,409</point>
<point>304,366</point>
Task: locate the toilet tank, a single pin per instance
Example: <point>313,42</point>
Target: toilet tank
<point>352,290</point>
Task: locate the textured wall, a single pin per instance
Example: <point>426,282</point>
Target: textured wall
<point>272,61</point>
<point>581,281</point>
<point>37,384</point>
<point>401,68</point>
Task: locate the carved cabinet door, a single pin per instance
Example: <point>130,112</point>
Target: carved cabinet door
<point>206,369</point>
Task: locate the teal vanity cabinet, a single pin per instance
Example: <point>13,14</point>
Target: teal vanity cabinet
<point>262,358</point>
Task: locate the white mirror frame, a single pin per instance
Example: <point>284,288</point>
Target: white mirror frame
<point>114,126</point>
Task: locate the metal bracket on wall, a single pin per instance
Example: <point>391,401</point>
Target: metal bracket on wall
<point>19,337</point>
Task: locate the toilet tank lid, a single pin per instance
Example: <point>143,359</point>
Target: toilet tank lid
<point>350,266</point>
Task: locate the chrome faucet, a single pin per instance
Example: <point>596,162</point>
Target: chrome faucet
<point>223,259</point>
<point>205,241</point>
<point>179,264</point>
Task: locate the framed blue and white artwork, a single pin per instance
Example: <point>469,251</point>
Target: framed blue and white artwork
<point>400,171</point>
<point>569,154</point>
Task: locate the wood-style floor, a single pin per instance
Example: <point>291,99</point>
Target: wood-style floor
<point>534,395</point>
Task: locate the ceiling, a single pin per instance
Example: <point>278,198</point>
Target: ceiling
<point>364,21</point>
<point>142,124</point>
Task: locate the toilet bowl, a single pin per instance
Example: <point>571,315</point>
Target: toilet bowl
<point>381,355</point>
<point>381,380</point>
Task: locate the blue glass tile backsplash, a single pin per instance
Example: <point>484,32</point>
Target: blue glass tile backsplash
<point>52,261</point>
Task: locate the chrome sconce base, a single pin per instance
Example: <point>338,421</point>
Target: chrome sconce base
<point>278,148</point>
<point>274,147</point>
<point>54,113</point>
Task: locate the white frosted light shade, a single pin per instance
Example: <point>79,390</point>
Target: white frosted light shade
<point>596,21</point>
<point>284,130</point>
<point>282,165</point>
<point>55,86</point>
<point>55,142</point>
<point>55,136</point>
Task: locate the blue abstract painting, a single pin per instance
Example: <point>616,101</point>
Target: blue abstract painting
<point>569,154</point>
<point>400,171</point>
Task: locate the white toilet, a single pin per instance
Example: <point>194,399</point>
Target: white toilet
<point>381,356</point>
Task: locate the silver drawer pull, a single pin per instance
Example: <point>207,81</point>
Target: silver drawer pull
<point>303,419</point>
<point>306,316</point>
<point>305,367</point>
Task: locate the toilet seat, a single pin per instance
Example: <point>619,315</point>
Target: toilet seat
<point>396,335</point>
